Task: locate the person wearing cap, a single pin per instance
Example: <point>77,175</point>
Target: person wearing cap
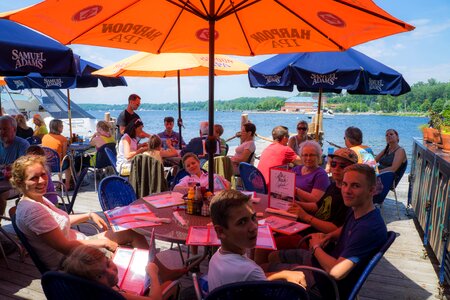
<point>129,114</point>
<point>129,146</point>
<point>177,141</point>
<point>198,144</point>
<point>325,215</point>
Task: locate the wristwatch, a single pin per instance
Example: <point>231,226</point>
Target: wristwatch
<point>313,249</point>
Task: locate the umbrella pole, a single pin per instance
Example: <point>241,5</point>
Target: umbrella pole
<point>319,108</point>
<point>69,115</point>
<point>211,139</point>
<point>179,121</point>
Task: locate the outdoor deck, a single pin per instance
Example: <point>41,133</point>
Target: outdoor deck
<point>405,272</point>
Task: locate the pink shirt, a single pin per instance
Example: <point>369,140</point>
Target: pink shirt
<point>275,155</point>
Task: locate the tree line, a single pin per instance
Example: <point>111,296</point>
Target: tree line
<point>423,97</point>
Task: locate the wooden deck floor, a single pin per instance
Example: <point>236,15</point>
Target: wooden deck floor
<point>405,272</point>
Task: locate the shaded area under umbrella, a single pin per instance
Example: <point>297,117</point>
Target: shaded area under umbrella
<point>84,79</point>
<point>327,72</point>
<point>173,65</point>
<point>241,27</point>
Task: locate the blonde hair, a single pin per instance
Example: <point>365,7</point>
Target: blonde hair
<point>85,261</point>
<point>39,118</point>
<point>21,121</point>
<point>20,166</point>
<point>104,125</point>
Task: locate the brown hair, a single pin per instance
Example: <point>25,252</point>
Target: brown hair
<point>20,166</point>
<point>218,128</point>
<point>189,154</point>
<point>35,150</point>
<point>365,170</point>
<point>104,125</point>
<point>85,261</point>
<point>250,127</point>
<point>354,135</point>
<point>222,203</point>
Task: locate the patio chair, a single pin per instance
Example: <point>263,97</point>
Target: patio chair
<point>252,178</point>
<point>23,239</point>
<point>34,140</point>
<point>102,160</point>
<point>112,156</point>
<point>261,290</point>
<point>387,179</point>
<point>397,179</point>
<point>147,176</point>
<point>363,272</point>
<point>56,165</point>
<point>60,285</point>
<point>114,191</point>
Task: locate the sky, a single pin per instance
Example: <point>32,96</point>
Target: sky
<point>419,55</point>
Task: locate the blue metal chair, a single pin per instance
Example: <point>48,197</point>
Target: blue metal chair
<point>23,239</point>
<point>60,285</point>
<point>364,273</point>
<point>112,156</point>
<point>56,165</point>
<point>387,179</point>
<point>102,159</point>
<point>180,175</point>
<point>34,140</point>
<point>114,191</point>
<point>252,178</point>
<point>261,290</point>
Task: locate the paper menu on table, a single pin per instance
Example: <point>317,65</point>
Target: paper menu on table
<point>265,238</point>
<point>202,236</point>
<point>126,217</point>
<point>281,188</point>
<point>131,265</point>
<point>284,226</point>
<point>165,199</point>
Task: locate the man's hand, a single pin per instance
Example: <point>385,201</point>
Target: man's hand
<point>296,277</point>
<point>151,268</point>
<point>110,245</point>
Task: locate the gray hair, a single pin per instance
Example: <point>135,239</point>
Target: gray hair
<point>54,126</point>
<point>10,119</point>
<point>313,144</point>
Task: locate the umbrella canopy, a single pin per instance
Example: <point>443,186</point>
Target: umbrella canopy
<point>84,79</point>
<point>327,72</point>
<point>241,27</point>
<point>23,50</point>
<point>173,64</point>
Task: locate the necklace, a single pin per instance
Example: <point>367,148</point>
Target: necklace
<point>393,150</point>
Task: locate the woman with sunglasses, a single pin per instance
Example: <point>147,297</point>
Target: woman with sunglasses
<point>311,180</point>
<point>129,146</point>
<point>393,157</point>
<point>301,136</point>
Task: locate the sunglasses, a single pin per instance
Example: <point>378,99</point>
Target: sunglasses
<point>334,164</point>
<point>302,128</point>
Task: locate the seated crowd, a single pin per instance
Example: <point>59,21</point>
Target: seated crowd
<point>338,208</point>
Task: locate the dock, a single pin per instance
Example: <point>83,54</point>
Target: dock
<point>405,271</point>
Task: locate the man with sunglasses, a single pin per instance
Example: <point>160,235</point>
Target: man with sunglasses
<point>329,212</point>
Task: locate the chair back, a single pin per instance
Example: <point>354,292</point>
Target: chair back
<point>252,178</point>
<point>53,160</point>
<point>114,191</point>
<point>250,158</point>
<point>60,285</point>
<point>371,265</point>
<point>147,176</point>
<point>112,156</point>
<point>261,290</point>
<point>400,172</point>
<point>102,159</point>
<point>222,166</point>
<point>34,140</point>
<point>23,239</point>
<point>387,179</point>
<point>180,175</point>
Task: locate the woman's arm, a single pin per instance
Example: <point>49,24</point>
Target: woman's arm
<point>79,218</point>
<point>303,216</point>
<point>127,153</point>
<point>314,196</point>
<point>170,152</point>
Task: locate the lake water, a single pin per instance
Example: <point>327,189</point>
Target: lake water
<point>372,126</point>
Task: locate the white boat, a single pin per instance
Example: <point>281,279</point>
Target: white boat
<point>326,114</point>
<point>50,104</point>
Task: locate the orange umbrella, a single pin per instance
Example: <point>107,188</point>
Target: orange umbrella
<point>173,64</point>
<point>241,27</point>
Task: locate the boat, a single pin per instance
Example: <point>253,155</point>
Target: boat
<point>326,114</point>
<point>50,104</point>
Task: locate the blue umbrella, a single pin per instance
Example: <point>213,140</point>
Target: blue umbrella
<point>23,50</point>
<point>84,79</point>
<point>327,72</point>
